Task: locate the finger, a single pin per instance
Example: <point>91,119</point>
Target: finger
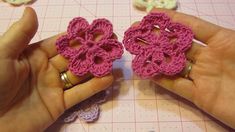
<point>59,62</point>
<point>135,23</point>
<point>187,70</point>
<point>85,90</point>
<point>192,53</point>
<point>48,45</point>
<point>18,36</point>
<point>178,85</point>
<point>203,30</point>
<point>74,80</point>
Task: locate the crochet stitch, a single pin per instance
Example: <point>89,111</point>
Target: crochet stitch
<point>159,45</point>
<point>94,55</point>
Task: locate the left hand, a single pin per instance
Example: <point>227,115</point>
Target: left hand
<point>31,92</point>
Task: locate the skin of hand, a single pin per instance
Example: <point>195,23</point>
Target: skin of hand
<point>31,91</point>
<point>212,84</point>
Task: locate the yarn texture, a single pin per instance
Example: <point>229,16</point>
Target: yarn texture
<point>95,50</point>
<point>159,45</point>
<point>97,47</point>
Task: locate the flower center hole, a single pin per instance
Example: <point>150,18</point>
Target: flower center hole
<point>107,48</point>
<point>89,44</point>
<point>98,60</point>
<point>82,57</point>
<point>175,47</point>
<point>158,62</point>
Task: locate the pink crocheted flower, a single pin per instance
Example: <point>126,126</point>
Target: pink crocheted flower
<point>159,45</point>
<point>97,49</point>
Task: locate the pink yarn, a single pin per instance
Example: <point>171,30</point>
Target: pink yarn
<point>93,56</point>
<point>158,53</point>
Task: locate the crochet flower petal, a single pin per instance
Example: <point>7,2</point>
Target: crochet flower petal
<point>180,36</point>
<point>136,39</point>
<point>80,64</point>
<point>173,63</point>
<point>63,46</point>
<point>147,63</point>
<point>101,64</point>
<point>155,19</point>
<point>100,27</point>
<point>78,27</point>
<point>91,44</point>
<point>112,47</point>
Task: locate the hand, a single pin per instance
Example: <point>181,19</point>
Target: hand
<point>31,91</point>
<point>211,86</point>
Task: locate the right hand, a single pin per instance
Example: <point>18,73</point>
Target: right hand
<point>211,86</point>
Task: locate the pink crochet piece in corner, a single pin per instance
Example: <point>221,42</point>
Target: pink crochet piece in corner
<point>94,55</point>
<point>159,45</point>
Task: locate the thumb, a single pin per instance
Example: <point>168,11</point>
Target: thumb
<point>18,36</point>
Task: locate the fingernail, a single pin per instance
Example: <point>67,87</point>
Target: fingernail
<point>25,12</point>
